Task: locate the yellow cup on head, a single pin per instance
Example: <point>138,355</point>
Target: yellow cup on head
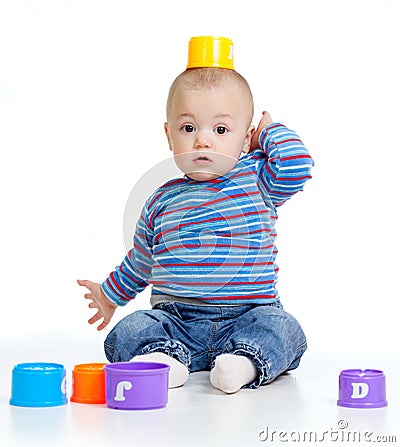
<point>209,51</point>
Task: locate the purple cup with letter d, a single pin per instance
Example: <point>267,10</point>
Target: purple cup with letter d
<point>362,388</point>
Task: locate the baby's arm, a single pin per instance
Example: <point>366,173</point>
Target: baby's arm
<point>288,163</point>
<point>265,121</point>
<point>122,285</point>
<point>130,278</point>
<point>126,281</point>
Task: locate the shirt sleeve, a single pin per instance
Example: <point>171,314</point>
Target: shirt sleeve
<point>288,163</point>
<point>130,278</point>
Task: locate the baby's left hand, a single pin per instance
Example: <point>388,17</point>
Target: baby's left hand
<point>265,121</point>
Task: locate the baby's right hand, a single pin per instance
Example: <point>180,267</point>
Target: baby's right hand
<point>265,121</point>
<point>105,308</point>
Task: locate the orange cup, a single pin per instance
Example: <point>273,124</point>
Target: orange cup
<point>88,384</point>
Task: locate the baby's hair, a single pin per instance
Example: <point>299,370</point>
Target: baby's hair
<point>206,79</point>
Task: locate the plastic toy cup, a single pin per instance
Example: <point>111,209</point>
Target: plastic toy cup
<point>136,385</point>
<point>38,385</point>
<point>362,388</point>
<point>208,51</point>
<point>88,384</point>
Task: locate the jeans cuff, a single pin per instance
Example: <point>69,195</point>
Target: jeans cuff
<point>174,349</point>
<point>263,367</point>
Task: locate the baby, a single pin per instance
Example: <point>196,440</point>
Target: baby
<point>206,244</point>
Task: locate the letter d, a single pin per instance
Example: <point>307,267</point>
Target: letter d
<point>360,390</point>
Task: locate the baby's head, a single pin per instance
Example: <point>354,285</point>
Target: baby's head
<point>209,113</point>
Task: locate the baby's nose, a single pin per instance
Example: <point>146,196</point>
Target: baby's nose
<point>202,141</point>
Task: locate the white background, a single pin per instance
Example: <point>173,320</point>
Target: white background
<point>83,86</point>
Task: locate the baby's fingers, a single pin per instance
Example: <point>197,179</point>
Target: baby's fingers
<point>86,283</point>
<point>102,325</point>
<point>96,317</point>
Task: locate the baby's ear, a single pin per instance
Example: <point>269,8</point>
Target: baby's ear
<point>247,141</point>
<point>166,130</point>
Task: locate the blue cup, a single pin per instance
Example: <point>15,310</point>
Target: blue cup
<point>38,385</point>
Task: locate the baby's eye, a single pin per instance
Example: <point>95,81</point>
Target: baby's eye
<point>221,130</point>
<point>188,128</point>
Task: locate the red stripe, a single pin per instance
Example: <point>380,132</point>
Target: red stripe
<point>213,264</point>
<point>289,140</point>
<point>286,179</point>
<point>173,247</point>
<point>174,182</point>
<point>212,202</point>
<point>262,230</point>
<point>139,283</point>
<point>275,126</point>
<point>276,143</point>
<point>213,219</point>
<point>239,174</point>
<point>164,189</point>
<point>215,284</point>
<point>116,288</point>
<point>151,218</point>
<point>155,199</point>
<point>242,174</point>
<point>295,157</point>
<point>137,247</point>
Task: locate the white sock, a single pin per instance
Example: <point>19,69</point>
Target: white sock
<point>231,372</point>
<point>178,373</point>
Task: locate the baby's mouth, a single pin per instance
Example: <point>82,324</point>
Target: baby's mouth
<point>202,159</point>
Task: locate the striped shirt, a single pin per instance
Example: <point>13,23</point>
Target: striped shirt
<point>214,241</point>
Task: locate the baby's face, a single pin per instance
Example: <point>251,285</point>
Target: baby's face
<point>207,130</point>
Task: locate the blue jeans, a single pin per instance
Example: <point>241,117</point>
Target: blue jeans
<point>195,335</point>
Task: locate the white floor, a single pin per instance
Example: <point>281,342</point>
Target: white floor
<point>294,407</point>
